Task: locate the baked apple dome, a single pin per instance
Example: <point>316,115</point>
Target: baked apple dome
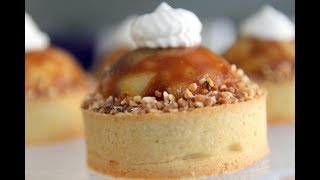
<point>51,71</point>
<point>144,71</point>
<point>260,59</point>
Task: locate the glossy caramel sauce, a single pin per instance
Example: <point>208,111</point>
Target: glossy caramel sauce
<point>52,68</point>
<point>107,61</point>
<point>256,56</point>
<point>173,68</point>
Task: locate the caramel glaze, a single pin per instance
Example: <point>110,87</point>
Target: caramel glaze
<point>107,61</point>
<point>51,69</point>
<point>260,59</point>
<point>174,69</point>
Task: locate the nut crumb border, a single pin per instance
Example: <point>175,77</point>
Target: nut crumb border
<point>203,93</point>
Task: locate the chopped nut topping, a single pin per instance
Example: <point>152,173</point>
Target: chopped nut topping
<point>160,105</point>
<point>187,94</point>
<point>198,104</point>
<point>233,67</point>
<point>182,102</point>
<point>210,101</point>
<point>148,99</point>
<point>166,97</point>
<point>193,87</point>
<point>158,93</point>
<point>210,82</point>
<point>123,102</point>
<point>132,103</point>
<point>203,91</point>
<point>200,98</point>
<point>240,72</point>
<point>194,96</point>
<point>137,98</point>
<point>223,87</point>
<point>202,80</point>
<point>171,97</point>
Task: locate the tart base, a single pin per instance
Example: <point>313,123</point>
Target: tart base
<point>188,168</point>
<point>280,102</point>
<point>50,120</point>
<point>202,142</point>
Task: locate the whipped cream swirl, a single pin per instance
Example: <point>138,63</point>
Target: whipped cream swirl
<point>34,38</point>
<point>167,27</point>
<point>268,24</point>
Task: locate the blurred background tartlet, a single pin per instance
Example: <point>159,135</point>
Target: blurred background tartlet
<point>265,50</point>
<point>55,85</point>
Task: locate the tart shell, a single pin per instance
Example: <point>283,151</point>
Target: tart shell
<point>200,142</point>
<point>280,102</point>
<point>53,119</point>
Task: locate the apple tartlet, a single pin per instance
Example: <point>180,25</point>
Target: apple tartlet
<point>173,109</point>
<point>269,59</point>
<point>54,88</point>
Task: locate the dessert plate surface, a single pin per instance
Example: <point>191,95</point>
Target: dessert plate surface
<point>66,161</point>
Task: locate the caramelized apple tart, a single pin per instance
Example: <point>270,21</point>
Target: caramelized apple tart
<point>170,80</point>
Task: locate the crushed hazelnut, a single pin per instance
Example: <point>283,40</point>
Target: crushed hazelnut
<point>233,67</point>
<point>187,94</point>
<point>200,98</point>
<point>241,91</point>
<point>132,103</point>
<point>182,102</point>
<point>137,98</point>
<point>240,72</point>
<point>160,105</point>
<point>171,97</point>
<point>210,82</point>
<point>148,99</point>
<point>203,91</point>
<point>202,80</point>
<point>198,104</point>
<point>158,94</point>
<point>193,87</point>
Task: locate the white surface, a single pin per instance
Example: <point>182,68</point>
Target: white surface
<point>66,161</point>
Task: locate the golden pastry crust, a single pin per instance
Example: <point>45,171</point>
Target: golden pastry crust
<point>51,72</point>
<point>201,142</point>
<point>263,60</point>
<point>53,119</point>
<point>279,113</point>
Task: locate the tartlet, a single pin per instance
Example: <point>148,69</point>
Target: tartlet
<point>271,63</point>
<point>55,85</point>
<point>174,112</point>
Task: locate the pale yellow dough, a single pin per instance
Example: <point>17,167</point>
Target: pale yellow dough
<point>280,102</point>
<point>49,120</point>
<point>201,142</point>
